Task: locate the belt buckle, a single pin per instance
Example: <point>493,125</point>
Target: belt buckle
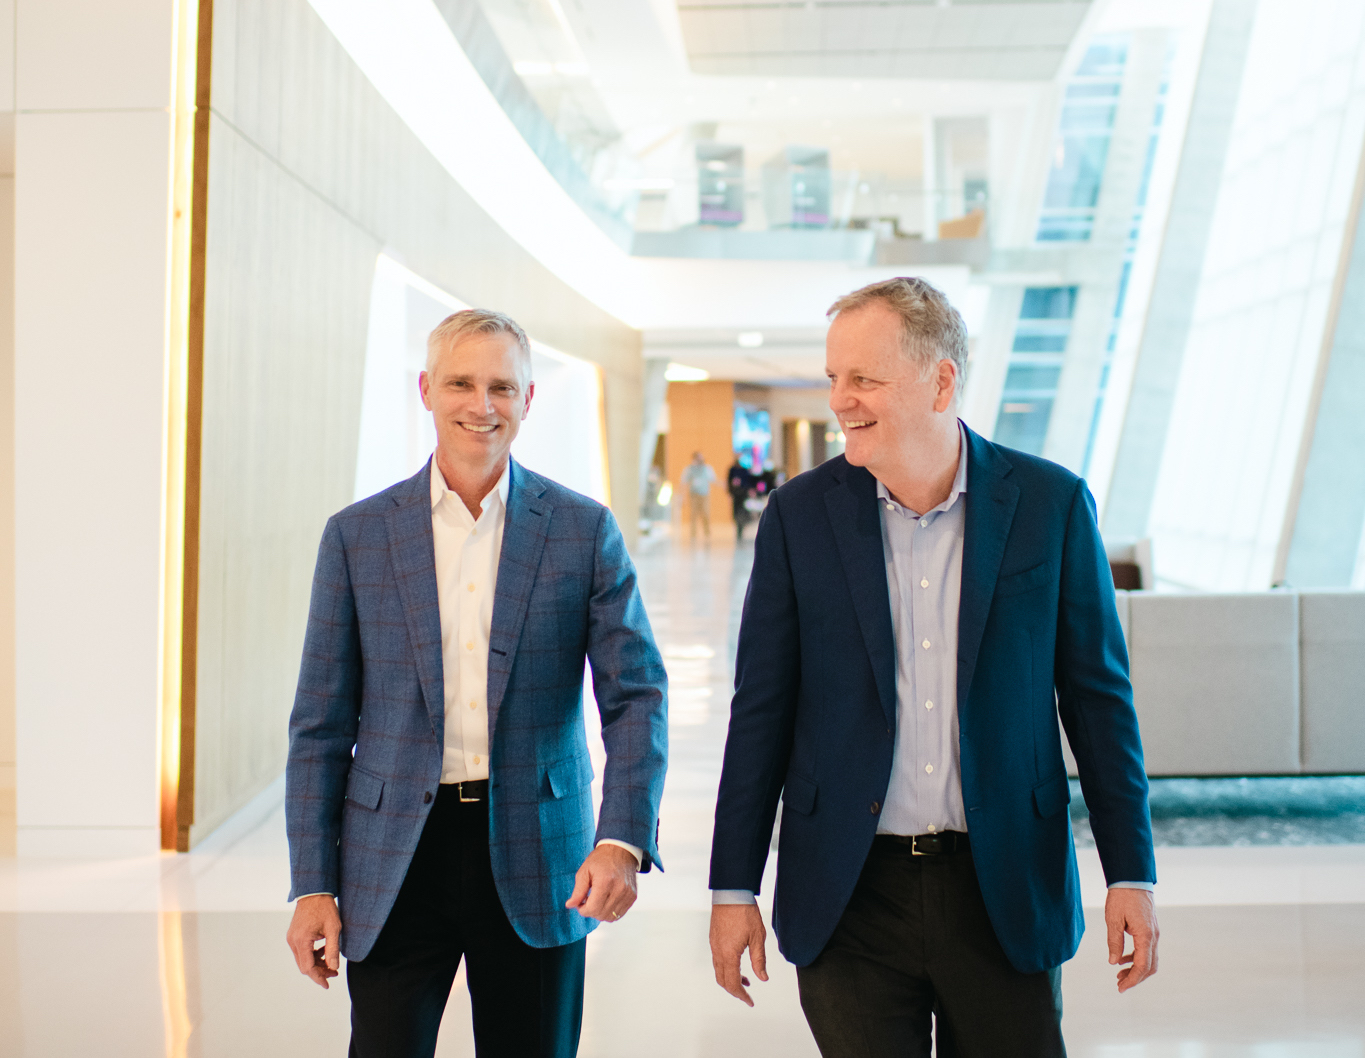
<point>459,788</point>
<point>914,845</point>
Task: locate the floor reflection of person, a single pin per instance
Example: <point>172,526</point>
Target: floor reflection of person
<point>919,613</point>
<point>739,481</point>
<point>697,479</point>
<point>439,788</point>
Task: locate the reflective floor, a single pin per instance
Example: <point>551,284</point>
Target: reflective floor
<point>184,955</point>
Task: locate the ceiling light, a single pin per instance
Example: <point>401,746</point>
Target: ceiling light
<point>682,373</point>
<point>572,69</point>
<point>750,339</point>
<point>529,68</point>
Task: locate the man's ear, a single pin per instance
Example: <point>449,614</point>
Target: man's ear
<point>947,385</point>
<point>424,388</point>
<point>526,408</point>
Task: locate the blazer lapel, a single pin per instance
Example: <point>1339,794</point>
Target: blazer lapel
<point>991,500</point>
<point>524,532</point>
<point>413,557</point>
<point>852,507</point>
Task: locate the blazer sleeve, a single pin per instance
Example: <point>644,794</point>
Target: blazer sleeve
<point>762,714</point>
<point>323,724</point>
<point>1095,701</point>
<point>630,685</point>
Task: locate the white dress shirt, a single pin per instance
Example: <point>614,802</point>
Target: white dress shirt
<point>467,553</point>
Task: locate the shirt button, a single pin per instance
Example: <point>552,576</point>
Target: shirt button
<point>476,758</point>
<point>928,767</point>
<point>924,584</point>
<point>928,705</point>
<point>890,506</point>
<point>471,587</point>
<point>926,644</point>
<point>932,828</point>
<point>876,807</point>
<point>469,646</point>
<point>924,523</point>
<point>473,705</point>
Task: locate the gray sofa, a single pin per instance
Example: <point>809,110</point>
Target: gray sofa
<point>1258,683</point>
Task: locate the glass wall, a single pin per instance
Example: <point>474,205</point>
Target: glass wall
<point>1035,365</point>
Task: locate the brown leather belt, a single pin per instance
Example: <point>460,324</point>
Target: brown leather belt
<point>468,792</point>
<point>945,841</point>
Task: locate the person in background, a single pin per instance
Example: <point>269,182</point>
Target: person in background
<point>697,479</point>
<point>921,611</point>
<point>740,482</point>
<point>438,786</point>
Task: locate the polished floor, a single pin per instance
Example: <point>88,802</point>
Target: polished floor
<point>184,955</point>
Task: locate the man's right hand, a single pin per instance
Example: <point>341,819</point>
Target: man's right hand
<point>735,927</point>
<point>316,919</point>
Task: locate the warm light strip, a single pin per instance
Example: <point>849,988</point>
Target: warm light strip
<point>175,422</point>
<point>175,1006</point>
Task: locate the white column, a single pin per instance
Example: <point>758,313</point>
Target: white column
<point>92,194</point>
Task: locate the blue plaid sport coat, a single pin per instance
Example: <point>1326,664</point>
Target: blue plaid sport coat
<point>366,736</point>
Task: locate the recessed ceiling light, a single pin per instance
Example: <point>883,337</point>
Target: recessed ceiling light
<point>675,372</point>
<point>750,339</point>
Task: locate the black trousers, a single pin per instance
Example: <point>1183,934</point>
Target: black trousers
<point>915,949</point>
<point>527,1002</point>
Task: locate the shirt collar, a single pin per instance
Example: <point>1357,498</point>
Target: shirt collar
<point>439,490</point>
<point>959,480</point>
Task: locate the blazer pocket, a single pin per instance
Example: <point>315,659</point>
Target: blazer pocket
<point>1018,583</point>
<point>364,789</point>
<point>798,794</point>
<point>566,776</point>
<point>1052,796</point>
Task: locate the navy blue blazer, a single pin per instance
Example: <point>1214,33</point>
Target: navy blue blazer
<point>367,734</point>
<point>814,713</point>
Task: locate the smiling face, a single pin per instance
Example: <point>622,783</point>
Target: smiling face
<point>886,409</point>
<point>478,391</point>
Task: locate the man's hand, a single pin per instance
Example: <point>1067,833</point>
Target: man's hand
<point>316,919</point>
<point>604,887</point>
<point>735,927</point>
<point>1132,911</point>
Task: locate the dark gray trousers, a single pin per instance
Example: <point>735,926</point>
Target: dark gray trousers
<point>915,951</point>
<point>527,1002</point>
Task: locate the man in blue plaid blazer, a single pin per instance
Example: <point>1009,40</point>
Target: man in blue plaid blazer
<point>439,782</point>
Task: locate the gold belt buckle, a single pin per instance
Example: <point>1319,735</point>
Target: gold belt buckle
<point>459,786</point>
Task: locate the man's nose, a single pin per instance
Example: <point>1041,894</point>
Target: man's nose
<point>839,398</point>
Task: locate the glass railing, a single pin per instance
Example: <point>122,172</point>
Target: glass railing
<point>761,199</point>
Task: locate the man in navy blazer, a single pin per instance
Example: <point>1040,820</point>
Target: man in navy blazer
<point>438,781</point>
<point>920,612</point>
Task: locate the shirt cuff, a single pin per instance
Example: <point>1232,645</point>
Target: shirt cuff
<point>732,896</point>
<point>302,895</point>
<point>1148,886</point>
<point>639,854</point>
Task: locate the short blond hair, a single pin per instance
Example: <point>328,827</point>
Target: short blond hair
<point>931,329</point>
<point>469,322</point>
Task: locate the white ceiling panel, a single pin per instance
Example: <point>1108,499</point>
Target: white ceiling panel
<point>881,38</point>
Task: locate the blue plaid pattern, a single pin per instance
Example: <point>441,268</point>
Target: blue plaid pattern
<point>366,735</point>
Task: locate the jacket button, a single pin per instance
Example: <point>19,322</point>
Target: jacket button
<point>876,808</point>
<point>426,798</point>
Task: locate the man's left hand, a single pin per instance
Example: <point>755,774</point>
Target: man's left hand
<point>604,887</point>
<point>1132,911</point>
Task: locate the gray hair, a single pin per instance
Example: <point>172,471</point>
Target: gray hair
<point>470,322</point>
<point>931,329</point>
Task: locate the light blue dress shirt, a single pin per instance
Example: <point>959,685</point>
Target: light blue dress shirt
<point>924,579</point>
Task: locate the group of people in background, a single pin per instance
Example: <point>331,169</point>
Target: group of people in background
<point>748,492</point>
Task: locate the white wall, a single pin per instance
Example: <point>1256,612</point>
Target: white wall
<point>1240,414</point>
<point>92,206</point>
